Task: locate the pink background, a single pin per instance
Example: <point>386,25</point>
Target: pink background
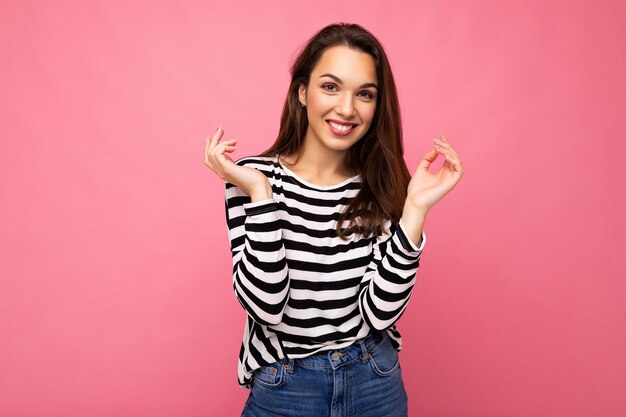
<point>115,292</point>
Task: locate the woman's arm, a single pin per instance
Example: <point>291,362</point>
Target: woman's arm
<point>260,274</point>
<point>413,219</point>
<point>389,279</point>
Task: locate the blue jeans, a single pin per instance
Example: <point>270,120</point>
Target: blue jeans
<point>360,380</point>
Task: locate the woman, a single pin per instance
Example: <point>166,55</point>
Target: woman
<point>326,232</point>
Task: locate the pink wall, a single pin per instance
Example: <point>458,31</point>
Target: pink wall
<point>115,290</point>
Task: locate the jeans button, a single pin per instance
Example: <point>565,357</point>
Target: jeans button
<point>335,356</point>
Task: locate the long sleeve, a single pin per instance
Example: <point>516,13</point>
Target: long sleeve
<point>390,277</point>
<point>260,274</point>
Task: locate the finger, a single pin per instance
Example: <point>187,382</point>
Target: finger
<point>207,144</point>
<point>456,164</point>
<point>445,145</point>
<point>443,142</point>
<point>212,141</point>
<point>444,151</point>
<point>227,144</point>
<point>447,150</point>
<point>446,154</point>
<point>427,159</point>
<point>447,142</point>
<point>452,160</point>
<point>216,137</point>
<point>214,149</point>
<point>218,154</point>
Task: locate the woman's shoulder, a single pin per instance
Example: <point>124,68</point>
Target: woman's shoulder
<point>258,161</point>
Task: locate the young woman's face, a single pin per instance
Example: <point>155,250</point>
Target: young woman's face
<point>342,88</point>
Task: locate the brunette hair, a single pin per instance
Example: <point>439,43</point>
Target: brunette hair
<point>378,155</point>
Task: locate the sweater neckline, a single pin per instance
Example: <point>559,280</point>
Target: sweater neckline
<point>310,184</point>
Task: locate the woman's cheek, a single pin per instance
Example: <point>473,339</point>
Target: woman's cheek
<point>322,102</point>
<point>368,114</point>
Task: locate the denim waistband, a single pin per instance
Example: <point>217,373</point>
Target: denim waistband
<point>336,358</point>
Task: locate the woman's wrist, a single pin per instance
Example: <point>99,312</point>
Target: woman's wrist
<point>410,210</point>
<point>413,219</point>
<point>261,194</point>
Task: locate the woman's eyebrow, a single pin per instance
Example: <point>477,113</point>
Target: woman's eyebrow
<point>366,85</point>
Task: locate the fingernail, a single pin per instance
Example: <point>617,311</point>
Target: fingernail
<point>218,129</point>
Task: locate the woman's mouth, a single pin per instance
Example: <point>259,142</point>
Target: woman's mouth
<point>340,130</point>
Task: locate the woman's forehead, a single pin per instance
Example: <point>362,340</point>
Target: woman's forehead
<point>349,65</point>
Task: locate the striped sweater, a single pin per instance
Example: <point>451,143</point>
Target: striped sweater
<point>303,288</point>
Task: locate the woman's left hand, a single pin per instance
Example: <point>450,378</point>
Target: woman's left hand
<point>427,188</point>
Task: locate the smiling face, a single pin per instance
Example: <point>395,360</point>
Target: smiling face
<point>342,89</point>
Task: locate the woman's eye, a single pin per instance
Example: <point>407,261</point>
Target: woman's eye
<point>331,87</point>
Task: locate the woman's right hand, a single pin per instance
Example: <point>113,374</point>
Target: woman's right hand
<point>250,180</point>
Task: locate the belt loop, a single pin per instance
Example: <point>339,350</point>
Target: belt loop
<point>364,353</point>
<point>290,366</point>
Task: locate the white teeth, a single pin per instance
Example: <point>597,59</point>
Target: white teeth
<point>341,128</point>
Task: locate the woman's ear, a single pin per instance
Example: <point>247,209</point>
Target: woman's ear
<point>302,94</point>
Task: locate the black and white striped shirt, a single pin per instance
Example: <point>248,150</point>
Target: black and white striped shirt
<point>304,289</point>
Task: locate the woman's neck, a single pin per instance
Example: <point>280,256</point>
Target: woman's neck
<point>319,165</point>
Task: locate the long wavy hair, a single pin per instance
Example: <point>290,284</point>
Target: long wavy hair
<point>378,156</point>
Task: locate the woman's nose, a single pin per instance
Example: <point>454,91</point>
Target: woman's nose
<point>346,106</point>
